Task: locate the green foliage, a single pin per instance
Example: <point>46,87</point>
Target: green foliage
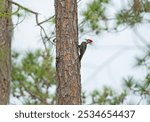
<point>140,88</point>
<point>96,18</point>
<point>125,17</point>
<point>94,13</point>
<point>108,96</point>
<point>129,82</point>
<point>33,76</point>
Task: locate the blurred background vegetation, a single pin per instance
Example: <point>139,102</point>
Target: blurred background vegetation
<point>33,72</point>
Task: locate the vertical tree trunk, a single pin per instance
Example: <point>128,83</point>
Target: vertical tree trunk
<point>67,61</point>
<point>5,51</point>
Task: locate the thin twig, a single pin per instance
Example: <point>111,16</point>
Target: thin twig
<point>37,21</point>
<point>46,20</point>
<point>26,9</point>
<point>142,39</point>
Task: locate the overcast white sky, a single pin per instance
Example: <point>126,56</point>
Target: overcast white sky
<point>105,62</point>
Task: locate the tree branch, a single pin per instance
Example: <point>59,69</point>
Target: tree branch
<point>37,21</point>
<point>24,8</point>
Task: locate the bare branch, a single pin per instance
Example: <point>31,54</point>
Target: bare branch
<point>37,22</point>
<point>26,9</point>
<point>46,20</point>
<point>141,38</point>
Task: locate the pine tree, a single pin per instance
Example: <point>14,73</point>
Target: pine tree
<point>5,51</point>
<point>67,61</point>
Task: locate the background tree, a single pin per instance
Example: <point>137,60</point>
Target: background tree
<point>5,50</point>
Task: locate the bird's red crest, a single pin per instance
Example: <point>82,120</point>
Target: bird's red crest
<point>89,40</point>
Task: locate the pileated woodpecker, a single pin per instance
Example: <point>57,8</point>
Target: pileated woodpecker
<point>83,47</point>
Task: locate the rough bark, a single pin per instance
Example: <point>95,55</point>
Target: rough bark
<point>67,61</point>
<point>5,51</point>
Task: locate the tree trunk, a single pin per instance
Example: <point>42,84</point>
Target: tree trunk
<point>5,51</point>
<point>67,61</point>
